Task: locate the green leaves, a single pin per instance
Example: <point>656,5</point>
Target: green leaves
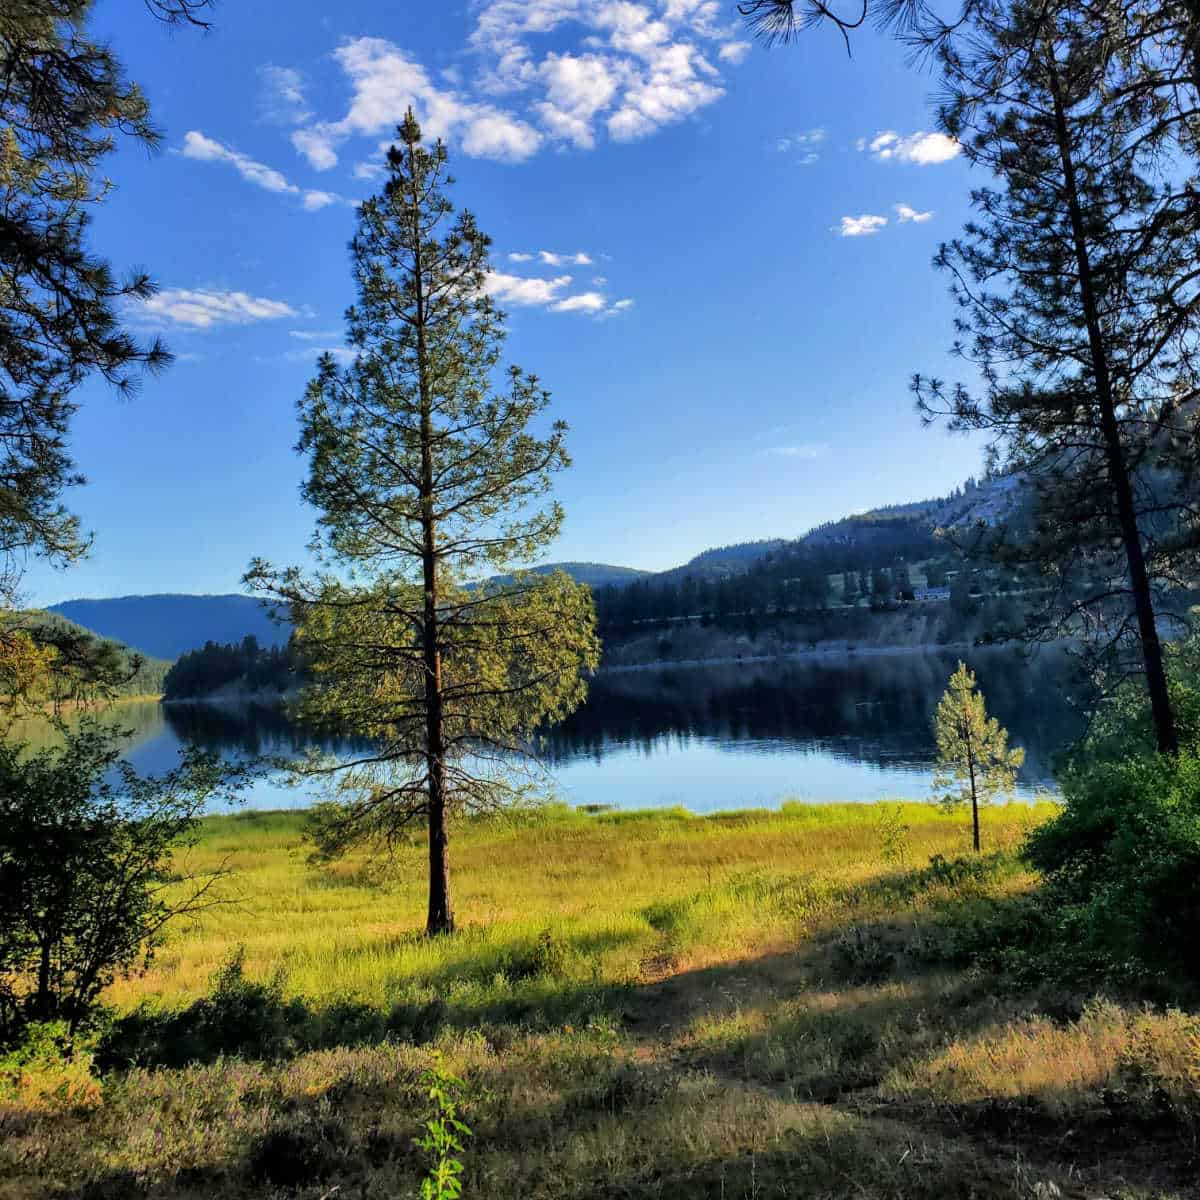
<point>89,878</point>
<point>444,1134</point>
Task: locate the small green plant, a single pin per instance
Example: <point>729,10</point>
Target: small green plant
<point>444,1134</point>
<point>893,834</point>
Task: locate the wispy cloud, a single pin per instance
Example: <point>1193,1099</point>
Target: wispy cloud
<point>805,140</point>
<point>905,212</point>
<point>921,148</point>
<point>342,354</point>
<point>586,302</point>
<point>861,226</point>
<point>804,450</point>
<point>578,259</point>
<point>200,148</point>
<point>281,95</point>
<point>201,308</point>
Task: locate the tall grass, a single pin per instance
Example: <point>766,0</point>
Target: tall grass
<point>613,888</point>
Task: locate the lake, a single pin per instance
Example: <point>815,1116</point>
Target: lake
<point>713,737</point>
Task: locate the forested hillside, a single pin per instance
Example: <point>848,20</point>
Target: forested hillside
<point>165,626</point>
<point>83,655</point>
<point>875,557</point>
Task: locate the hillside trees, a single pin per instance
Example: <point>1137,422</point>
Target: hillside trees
<point>425,475</point>
<point>1078,300</point>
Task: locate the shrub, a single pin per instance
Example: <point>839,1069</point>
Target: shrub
<point>86,846</point>
<point>1122,866</point>
<point>863,956</point>
<point>49,1068</point>
<point>239,1016</point>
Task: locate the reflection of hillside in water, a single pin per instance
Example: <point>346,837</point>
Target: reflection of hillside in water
<point>250,730</point>
<point>877,710</point>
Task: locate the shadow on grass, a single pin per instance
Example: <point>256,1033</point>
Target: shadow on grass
<point>538,983</point>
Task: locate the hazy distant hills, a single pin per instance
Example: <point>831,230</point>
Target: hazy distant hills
<point>164,626</point>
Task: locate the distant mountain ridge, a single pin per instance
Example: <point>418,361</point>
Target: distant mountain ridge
<point>168,625</point>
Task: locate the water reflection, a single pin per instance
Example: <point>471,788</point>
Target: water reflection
<point>714,737</point>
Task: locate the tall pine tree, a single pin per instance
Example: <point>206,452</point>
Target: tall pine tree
<point>427,477</point>
<point>1078,301</point>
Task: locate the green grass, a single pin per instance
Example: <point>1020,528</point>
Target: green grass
<point>643,1005</point>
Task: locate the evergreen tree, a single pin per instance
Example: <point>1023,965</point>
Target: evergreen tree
<point>1078,298</point>
<point>849,588</point>
<point>974,762</point>
<point>424,477</point>
<point>65,97</point>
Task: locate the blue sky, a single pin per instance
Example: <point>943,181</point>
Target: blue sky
<point>716,257</point>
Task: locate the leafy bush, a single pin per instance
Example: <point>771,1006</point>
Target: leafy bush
<point>86,845</point>
<point>239,1016</point>
<point>863,956</point>
<point>1122,867</point>
<point>49,1068</point>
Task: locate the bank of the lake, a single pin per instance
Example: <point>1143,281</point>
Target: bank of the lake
<point>643,1005</point>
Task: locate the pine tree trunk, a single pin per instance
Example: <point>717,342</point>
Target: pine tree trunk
<point>974,806</point>
<point>1139,582</point>
<point>440,918</point>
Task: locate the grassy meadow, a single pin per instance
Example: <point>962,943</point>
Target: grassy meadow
<point>748,1005</point>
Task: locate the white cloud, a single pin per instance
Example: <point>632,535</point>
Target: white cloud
<point>385,81</point>
<point>920,148</point>
<point>587,302</point>
<point>369,171</point>
<point>550,293</point>
<point>518,257</point>
<point>579,259</point>
<point>669,89</point>
<point>860,226</point>
<point>282,98</point>
<point>617,65</point>
<point>805,140</point>
<point>905,212</point>
<point>315,335</point>
<point>577,87</point>
<point>205,149</point>
<point>315,200</point>
<point>202,308</point>
<point>805,450</point>
<point>520,290</point>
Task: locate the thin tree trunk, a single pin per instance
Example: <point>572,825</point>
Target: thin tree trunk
<point>974,801</point>
<point>440,918</point>
<point>1139,582</point>
<point>43,1004</point>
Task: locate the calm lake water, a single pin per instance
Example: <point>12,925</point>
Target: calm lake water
<point>712,737</point>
